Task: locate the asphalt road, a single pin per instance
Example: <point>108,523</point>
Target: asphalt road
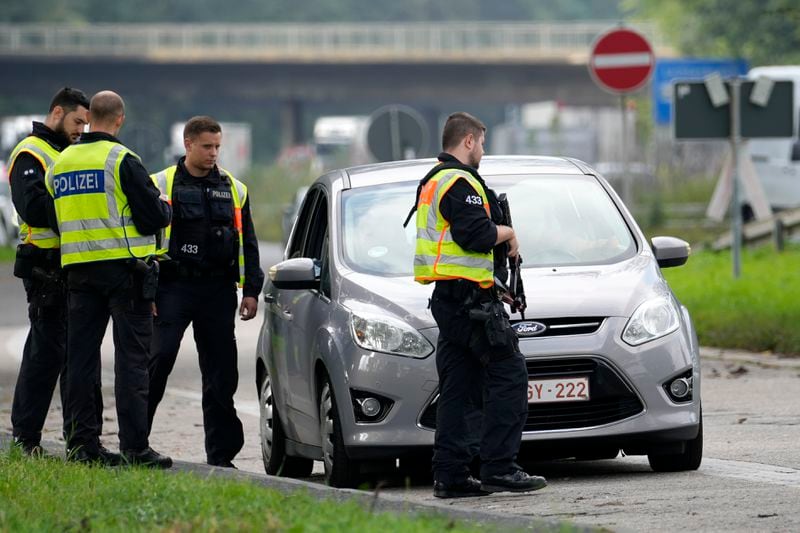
<point>749,479</point>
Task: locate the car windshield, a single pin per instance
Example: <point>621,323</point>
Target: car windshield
<point>559,220</point>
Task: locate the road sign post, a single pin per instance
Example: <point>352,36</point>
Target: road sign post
<point>755,109</point>
<point>621,62</point>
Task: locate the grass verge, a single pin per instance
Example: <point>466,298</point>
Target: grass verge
<point>757,312</point>
<point>8,254</point>
<point>51,495</point>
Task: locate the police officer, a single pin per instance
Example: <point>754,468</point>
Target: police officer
<point>108,212</point>
<point>461,246</point>
<point>211,245</point>
<point>38,264</point>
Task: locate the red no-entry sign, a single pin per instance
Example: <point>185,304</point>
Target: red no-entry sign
<point>621,61</point>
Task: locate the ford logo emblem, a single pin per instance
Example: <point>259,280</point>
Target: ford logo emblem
<point>529,328</point>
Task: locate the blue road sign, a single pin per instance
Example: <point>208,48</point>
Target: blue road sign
<point>669,70</point>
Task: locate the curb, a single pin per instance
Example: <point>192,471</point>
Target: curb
<point>762,359</point>
<point>374,501</point>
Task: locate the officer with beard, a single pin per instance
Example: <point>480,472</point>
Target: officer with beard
<point>462,246</point>
<point>39,265</point>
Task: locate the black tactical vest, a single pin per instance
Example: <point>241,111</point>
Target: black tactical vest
<point>203,231</point>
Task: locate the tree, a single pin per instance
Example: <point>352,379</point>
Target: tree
<point>765,32</point>
<point>195,11</point>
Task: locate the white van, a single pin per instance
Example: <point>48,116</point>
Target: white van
<point>777,161</point>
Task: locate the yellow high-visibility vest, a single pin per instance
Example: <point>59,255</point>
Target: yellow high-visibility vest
<point>45,154</point>
<point>92,210</point>
<point>438,257</point>
<point>164,181</point>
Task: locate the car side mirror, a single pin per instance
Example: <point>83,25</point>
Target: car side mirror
<point>670,251</point>
<point>295,274</point>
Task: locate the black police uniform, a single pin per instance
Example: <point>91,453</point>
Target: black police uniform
<point>199,286</point>
<point>473,374</point>
<point>113,288</point>
<point>43,356</point>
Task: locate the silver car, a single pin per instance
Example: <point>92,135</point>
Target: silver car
<point>346,365</point>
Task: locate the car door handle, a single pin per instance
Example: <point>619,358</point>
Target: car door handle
<point>269,297</point>
<point>283,312</point>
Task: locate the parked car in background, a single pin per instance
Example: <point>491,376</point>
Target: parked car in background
<point>345,361</point>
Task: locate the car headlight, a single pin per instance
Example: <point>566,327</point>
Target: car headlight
<point>652,319</point>
<point>382,333</point>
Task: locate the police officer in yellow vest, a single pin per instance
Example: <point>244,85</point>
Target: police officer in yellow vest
<point>211,245</point>
<point>462,247</point>
<point>38,264</point>
<point>108,213</point>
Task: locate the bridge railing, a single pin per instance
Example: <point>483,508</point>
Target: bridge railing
<point>467,42</point>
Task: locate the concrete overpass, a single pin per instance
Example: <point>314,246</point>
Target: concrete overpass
<point>292,68</point>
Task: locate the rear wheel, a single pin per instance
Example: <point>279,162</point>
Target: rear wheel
<point>273,439</point>
<point>690,459</point>
<point>340,470</point>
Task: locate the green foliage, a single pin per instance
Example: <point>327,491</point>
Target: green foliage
<point>7,254</point>
<point>271,191</point>
<point>757,312</point>
<point>188,11</point>
<point>49,495</point>
<point>766,32</point>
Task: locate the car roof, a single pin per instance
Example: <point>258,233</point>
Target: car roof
<point>414,170</point>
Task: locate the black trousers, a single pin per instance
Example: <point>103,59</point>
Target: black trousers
<point>43,360</point>
<point>96,292</point>
<point>210,306</point>
<point>470,382</point>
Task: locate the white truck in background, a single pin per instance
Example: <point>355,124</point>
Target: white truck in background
<point>777,160</point>
<point>341,141</point>
<point>235,154</point>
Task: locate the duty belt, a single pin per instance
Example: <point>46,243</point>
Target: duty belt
<point>189,272</point>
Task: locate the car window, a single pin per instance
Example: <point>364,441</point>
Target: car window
<point>304,222</point>
<point>566,220</point>
<point>318,229</point>
<point>374,239</point>
<point>559,220</point>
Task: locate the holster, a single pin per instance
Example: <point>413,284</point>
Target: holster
<point>495,323</point>
<point>148,270</point>
<point>30,257</point>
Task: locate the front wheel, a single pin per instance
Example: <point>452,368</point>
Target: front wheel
<point>690,459</point>
<point>340,470</point>
<point>273,439</point>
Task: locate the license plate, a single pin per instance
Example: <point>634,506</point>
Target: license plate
<point>558,390</point>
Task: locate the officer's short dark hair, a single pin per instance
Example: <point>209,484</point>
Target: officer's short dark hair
<point>197,125</point>
<point>458,126</point>
<point>69,100</point>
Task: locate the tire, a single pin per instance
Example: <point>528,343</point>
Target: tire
<point>690,459</point>
<point>273,439</point>
<point>340,470</point>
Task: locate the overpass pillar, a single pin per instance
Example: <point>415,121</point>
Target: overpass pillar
<point>291,123</point>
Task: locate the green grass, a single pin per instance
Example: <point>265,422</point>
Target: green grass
<point>7,254</point>
<point>270,189</point>
<point>51,495</point>
<point>758,311</point>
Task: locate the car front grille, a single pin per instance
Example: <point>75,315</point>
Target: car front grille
<point>558,327</point>
<point>610,398</point>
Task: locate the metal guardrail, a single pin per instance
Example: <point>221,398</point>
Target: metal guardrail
<point>781,226</point>
<point>419,42</point>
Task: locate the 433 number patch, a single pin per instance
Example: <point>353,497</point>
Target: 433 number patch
<point>189,249</point>
<point>474,199</point>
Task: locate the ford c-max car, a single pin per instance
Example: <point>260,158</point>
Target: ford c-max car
<point>346,357</point>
